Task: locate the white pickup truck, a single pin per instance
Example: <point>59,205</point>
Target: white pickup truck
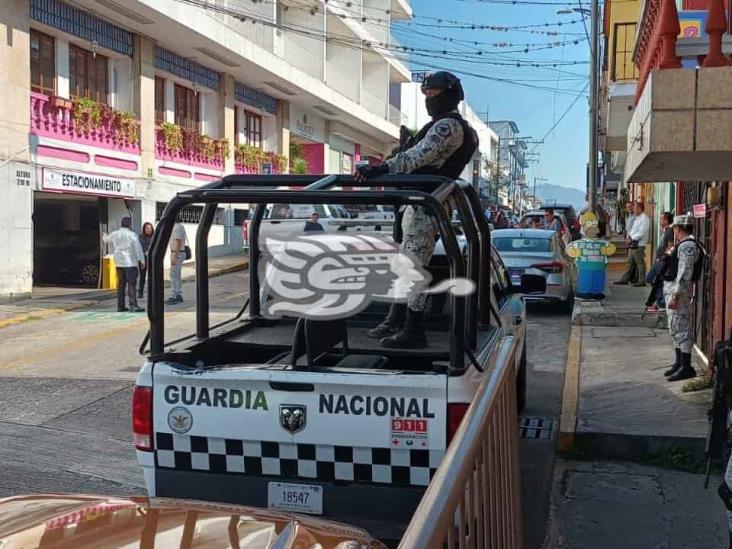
<point>310,415</point>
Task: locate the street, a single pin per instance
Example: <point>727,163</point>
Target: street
<point>67,384</point>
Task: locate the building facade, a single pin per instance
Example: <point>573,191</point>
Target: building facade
<point>110,108</point>
<point>509,179</point>
<point>678,151</point>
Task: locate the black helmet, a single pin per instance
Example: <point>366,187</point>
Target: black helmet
<point>443,80</point>
<point>448,100</point>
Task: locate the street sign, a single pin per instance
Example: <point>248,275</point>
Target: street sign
<point>700,210</point>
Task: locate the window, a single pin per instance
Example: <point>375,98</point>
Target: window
<point>88,75</point>
<point>43,63</point>
<point>251,132</point>
<point>623,66</point>
<point>160,100</point>
<point>187,111</point>
<point>520,244</point>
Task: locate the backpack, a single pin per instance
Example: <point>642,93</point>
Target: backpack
<point>699,265</point>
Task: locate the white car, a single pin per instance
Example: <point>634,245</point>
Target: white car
<point>539,252</point>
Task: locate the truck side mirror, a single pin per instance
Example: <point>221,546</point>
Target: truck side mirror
<point>531,284</point>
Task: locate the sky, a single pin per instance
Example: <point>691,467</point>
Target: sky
<point>564,153</point>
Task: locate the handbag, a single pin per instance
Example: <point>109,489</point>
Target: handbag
<point>187,250</point>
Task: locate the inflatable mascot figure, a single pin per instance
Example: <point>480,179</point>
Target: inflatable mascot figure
<point>590,254</point>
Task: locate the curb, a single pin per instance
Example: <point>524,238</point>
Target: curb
<point>571,391</point>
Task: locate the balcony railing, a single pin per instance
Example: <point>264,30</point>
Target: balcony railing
<point>175,144</point>
<point>94,125</point>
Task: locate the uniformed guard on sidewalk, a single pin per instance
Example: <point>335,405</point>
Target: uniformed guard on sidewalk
<point>682,270</point>
<point>443,147</point>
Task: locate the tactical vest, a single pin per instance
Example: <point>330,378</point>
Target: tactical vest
<point>454,165</point>
<point>671,266</point>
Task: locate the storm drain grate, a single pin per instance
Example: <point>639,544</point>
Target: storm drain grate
<point>536,427</point>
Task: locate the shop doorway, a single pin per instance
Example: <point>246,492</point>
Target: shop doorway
<point>66,240</point>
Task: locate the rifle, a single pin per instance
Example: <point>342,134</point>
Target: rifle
<point>718,414</point>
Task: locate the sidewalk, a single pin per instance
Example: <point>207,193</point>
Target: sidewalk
<point>607,505</point>
<point>617,403</point>
<point>49,301</point>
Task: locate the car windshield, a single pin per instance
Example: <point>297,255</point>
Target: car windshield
<point>521,244</point>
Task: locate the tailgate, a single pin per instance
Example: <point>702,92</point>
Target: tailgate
<point>374,428</point>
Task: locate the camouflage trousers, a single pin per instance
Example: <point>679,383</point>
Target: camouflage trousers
<point>419,231</point>
<point>681,319</point>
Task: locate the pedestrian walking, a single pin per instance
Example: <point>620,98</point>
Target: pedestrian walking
<point>682,270</point>
<point>145,239</point>
<point>128,255</point>
<point>313,225</point>
<point>667,241</point>
<point>178,254</point>
<point>640,227</point>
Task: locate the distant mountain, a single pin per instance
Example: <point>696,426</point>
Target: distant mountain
<point>549,194</point>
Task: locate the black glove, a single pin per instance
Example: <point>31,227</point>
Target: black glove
<point>369,172</point>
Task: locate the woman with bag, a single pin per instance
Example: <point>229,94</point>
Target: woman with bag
<point>145,240</point>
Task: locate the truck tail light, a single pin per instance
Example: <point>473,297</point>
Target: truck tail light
<point>142,426</point>
<point>551,268</point>
<point>455,414</point>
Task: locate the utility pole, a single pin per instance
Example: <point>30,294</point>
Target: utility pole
<point>594,35</point>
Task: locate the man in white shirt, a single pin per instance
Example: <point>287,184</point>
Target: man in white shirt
<point>178,242</point>
<point>638,233</point>
<point>128,257</point>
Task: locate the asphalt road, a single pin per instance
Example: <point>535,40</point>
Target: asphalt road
<point>66,383</point>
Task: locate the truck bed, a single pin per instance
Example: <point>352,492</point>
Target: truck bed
<point>262,341</point>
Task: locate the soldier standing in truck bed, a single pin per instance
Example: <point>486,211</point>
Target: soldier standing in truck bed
<point>443,147</point>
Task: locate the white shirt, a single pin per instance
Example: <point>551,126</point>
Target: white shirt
<point>179,233</point>
<point>640,229</point>
<point>127,249</point>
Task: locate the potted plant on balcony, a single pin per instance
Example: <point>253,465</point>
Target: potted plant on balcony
<point>172,136</point>
<point>126,126</point>
<point>87,114</point>
<point>251,157</point>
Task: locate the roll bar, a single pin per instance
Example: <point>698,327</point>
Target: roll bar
<point>417,190</point>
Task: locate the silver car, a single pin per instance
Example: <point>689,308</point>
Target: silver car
<point>538,252</point>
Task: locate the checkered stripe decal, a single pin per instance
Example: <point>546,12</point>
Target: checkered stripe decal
<point>297,461</point>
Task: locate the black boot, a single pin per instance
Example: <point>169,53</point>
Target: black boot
<point>673,368</point>
<point>392,323</point>
<point>411,337</point>
<point>686,371</point>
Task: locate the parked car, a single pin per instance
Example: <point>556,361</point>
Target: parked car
<point>79,521</point>
<point>539,252</point>
<point>284,220</point>
<point>569,214</point>
<point>564,233</point>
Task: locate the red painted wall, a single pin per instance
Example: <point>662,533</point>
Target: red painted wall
<point>314,154</point>
<point>700,4</point>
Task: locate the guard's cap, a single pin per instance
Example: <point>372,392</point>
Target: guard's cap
<point>684,220</point>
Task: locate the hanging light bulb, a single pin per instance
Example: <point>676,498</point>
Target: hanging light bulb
<point>94,48</point>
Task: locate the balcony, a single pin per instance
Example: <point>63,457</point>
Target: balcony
<point>251,160</point>
<point>682,127</point>
<point>175,144</point>
<point>84,122</point>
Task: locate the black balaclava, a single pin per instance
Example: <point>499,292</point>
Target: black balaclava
<point>443,103</point>
<point>448,100</point>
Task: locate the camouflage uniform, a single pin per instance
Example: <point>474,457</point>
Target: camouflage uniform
<point>419,229</point>
<point>680,321</point>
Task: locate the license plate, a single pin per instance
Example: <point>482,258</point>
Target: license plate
<point>299,498</point>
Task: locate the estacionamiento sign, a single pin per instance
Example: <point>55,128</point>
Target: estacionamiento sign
<point>86,183</point>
